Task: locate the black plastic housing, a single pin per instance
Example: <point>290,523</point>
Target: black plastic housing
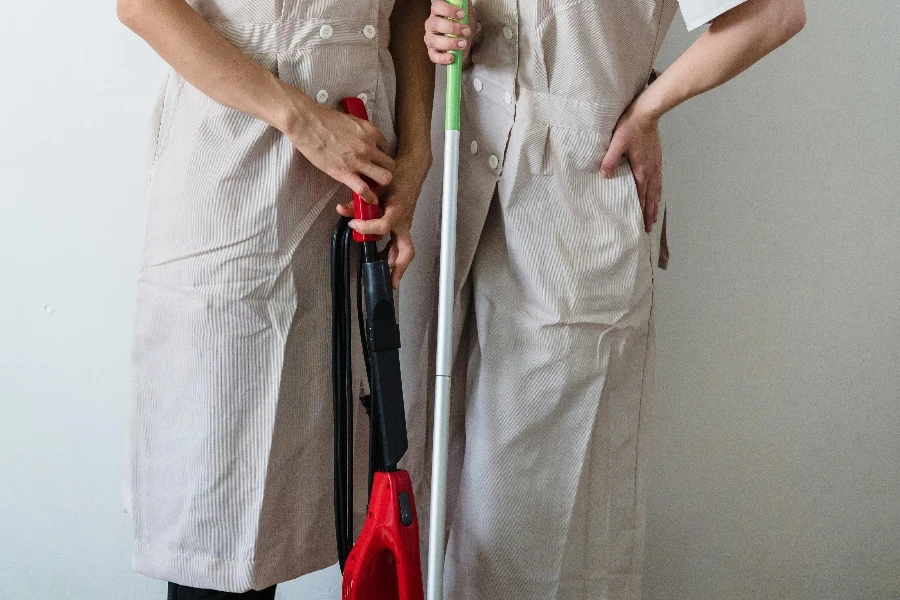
<point>383,344</point>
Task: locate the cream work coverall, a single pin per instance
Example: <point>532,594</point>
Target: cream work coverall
<point>231,465</point>
<point>553,371</point>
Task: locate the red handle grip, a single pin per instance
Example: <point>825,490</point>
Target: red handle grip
<point>362,210</point>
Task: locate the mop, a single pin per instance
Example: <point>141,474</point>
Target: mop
<point>438,517</point>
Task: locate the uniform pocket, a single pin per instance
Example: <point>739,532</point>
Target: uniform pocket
<point>162,118</point>
<point>624,171</point>
<point>572,150</point>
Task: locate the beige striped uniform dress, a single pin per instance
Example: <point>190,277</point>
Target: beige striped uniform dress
<point>554,293</point>
<point>231,463</point>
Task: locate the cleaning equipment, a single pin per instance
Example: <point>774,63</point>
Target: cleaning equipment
<point>384,563</point>
<point>444,361</point>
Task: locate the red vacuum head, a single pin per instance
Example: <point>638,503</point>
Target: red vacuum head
<point>384,563</point>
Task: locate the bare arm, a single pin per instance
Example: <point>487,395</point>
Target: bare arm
<point>342,146</point>
<point>415,81</point>
<point>415,95</point>
<point>734,41</point>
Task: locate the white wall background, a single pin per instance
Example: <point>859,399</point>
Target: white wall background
<point>776,468</point>
<point>777,428</point>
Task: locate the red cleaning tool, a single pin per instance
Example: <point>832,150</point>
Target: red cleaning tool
<point>362,210</point>
<point>384,563</point>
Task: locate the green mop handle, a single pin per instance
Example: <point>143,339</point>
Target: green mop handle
<point>454,78</point>
<point>438,517</point>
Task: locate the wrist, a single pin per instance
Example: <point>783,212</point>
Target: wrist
<point>650,105</point>
<point>290,111</point>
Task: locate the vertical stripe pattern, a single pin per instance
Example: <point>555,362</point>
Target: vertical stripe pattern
<point>230,478</point>
<point>554,367</point>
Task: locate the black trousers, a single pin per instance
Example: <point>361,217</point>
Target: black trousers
<point>182,592</point>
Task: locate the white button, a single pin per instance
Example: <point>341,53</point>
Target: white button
<point>326,32</point>
<point>508,98</point>
<point>363,97</point>
<point>369,31</point>
<point>321,96</point>
<point>478,85</point>
<point>478,29</point>
<point>474,147</point>
<point>493,161</point>
<point>507,32</point>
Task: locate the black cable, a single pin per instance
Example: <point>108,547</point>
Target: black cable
<point>337,378</point>
<point>380,340</point>
<point>348,399</point>
<point>341,380</point>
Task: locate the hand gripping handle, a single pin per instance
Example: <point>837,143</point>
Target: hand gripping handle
<point>362,210</point>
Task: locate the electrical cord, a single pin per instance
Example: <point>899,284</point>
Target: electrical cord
<point>342,381</point>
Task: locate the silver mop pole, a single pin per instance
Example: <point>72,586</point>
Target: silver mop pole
<point>438,518</point>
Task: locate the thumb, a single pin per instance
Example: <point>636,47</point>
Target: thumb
<point>405,254</point>
<point>612,158</point>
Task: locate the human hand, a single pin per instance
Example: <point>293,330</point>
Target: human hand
<point>637,136</point>
<point>342,146</point>
<point>399,204</point>
<point>441,25</point>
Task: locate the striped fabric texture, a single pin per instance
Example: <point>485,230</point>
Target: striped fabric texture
<point>553,374</point>
<point>231,467</point>
<point>231,462</point>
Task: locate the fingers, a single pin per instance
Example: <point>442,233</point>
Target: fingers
<point>372,227</point>
<point>440,8</point>
<point>442,43</point>
<point>654,197</point>
<point>612,157</point>
<point>360,187</point>
<point>400,251</point>
<point>374,148</point>
<point>379,175</point>
<point>391,254</point>
<point>405,253</point>
<point>372,161</point>
<point>444,33</point>
<point>444,26</point>
<point>440,58</point>
<point>345,210</point>
<point>370,134</point>
<point>640,180</point>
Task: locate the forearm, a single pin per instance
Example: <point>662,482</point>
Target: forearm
<point>415,81</point>
<point>732,43</point>
<point>206,60</point>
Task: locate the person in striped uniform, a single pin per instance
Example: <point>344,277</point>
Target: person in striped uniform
<point>230,484</point>
<point>560,186</point>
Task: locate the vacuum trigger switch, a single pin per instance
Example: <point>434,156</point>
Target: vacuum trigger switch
<point>406,513</point>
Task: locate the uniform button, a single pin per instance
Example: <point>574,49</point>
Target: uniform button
<point>493,161</point>
<point>369,31</point>
<point>507,32</point>
<point>507,98</point>
<point>478,29</point>
<point>474,147</point>
<point>326,32</point>
<point>478,85</point>
<point>363,97</point>
<point>321,96</point>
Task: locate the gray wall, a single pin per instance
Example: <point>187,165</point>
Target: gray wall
<point>777,459</point>
<point>776,468</point>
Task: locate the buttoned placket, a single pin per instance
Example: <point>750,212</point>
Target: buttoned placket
<point>326,32</point>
